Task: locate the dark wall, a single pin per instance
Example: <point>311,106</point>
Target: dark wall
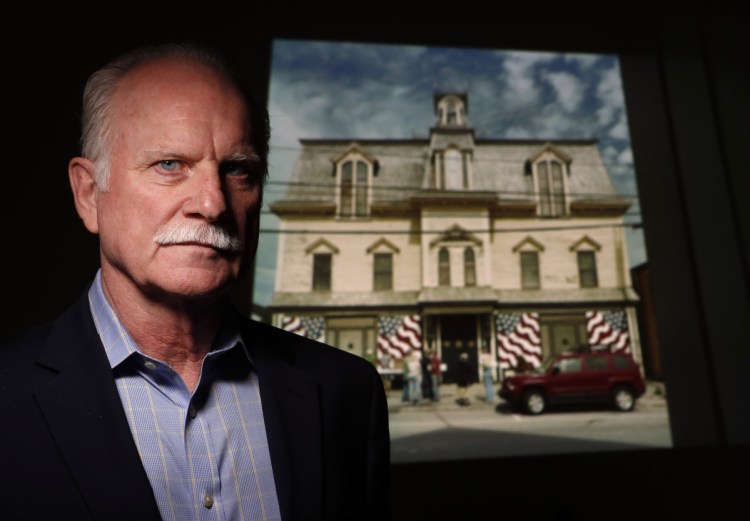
<point>686,81</point>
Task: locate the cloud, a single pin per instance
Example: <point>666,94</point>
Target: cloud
<point>609,154</point>
<point>609,94</point>
<point>569,89</point>
<point>620,129</point>
<point>517,77</point>
<point>583,61</point>
<point>626,156</point>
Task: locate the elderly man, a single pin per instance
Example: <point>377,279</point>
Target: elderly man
<point>152,398</point>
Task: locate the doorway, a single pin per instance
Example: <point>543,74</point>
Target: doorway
<point>458,334</point>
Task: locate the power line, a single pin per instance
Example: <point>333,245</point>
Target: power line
<point>266,211</point>
<point>329,188</point>
<point>635,225</point>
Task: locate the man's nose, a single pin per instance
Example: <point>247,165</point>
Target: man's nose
<point>207,199</point>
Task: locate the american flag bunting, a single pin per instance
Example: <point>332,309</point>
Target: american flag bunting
<point>518,338</point>
<point>608,329</point>
<point>398,335</point>
<point>307,326</point>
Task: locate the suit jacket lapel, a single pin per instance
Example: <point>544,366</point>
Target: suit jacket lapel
<point>83,410</point>
<point>291,411</point>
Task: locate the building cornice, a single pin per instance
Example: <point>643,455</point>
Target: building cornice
<point>302,208</point>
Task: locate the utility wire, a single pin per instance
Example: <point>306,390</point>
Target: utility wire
<point>303,231</point>
<point>329,189</point>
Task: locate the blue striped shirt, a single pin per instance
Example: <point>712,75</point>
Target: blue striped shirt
<point>205,453</point>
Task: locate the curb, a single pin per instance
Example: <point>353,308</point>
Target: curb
<point>655,396</point>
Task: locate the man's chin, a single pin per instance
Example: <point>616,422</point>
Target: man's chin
<point>196,286</point>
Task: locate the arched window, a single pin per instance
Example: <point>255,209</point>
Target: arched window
<point>354,181</point>
<point>470,268</point>
<point>452,119</point>
<point>551,188</point>
<point>444,267</point>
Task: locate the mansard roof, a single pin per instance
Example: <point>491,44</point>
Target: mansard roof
<point>499,165</point>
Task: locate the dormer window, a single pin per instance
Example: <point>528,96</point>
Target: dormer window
<point>551,189</point>
<point>549,168</point>
<point>354,171</point>
<point>454,172</point>
<point>354,185</point>
<point>452,169</point>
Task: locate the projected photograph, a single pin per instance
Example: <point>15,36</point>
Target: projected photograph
<point>468,221</point>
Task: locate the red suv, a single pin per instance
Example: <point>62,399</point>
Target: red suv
<point>581,377</point>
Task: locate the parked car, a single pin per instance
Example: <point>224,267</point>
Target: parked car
<point>582,377</point>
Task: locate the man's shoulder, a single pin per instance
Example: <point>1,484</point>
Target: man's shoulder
<point>24,345</point>
<point>67,333</point>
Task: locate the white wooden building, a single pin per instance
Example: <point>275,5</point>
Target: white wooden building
<point>454,243</point>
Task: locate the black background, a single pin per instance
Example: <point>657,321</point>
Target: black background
<point>48,257</point>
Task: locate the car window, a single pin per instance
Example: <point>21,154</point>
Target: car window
<point>569,365</point>
<point>621,362</point>
<point>596,363</point>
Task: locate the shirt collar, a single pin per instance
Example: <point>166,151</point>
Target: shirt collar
<point>119,345</point>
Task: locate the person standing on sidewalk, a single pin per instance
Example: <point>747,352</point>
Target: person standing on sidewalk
<point>488,370</point>
<point>464,376</point>
<point>435,375</point>
<point>405,379</point>
<point>426,383</point>
<point>415,377</point>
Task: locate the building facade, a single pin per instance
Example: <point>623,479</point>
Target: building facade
<point>454,243</point>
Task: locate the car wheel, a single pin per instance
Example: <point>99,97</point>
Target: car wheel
<point>533,402</point>
<point>623,398</point>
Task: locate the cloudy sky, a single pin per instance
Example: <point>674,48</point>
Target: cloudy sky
<point>353,90</point>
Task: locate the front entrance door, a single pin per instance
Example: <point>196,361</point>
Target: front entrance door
<point>458,334</point>
<point>562,333</point>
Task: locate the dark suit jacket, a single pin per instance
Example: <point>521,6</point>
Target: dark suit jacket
<point>66,451</point>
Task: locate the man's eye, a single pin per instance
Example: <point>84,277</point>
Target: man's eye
<point>235,169</point>
<point>169,165</point>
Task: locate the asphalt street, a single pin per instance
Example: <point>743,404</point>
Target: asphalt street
<point>439,431</point>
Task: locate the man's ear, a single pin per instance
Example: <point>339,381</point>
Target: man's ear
<point>85,192</point>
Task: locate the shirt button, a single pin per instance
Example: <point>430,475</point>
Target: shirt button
<point>192,411</point>
<point>150,365</point>
<point>208,500</point>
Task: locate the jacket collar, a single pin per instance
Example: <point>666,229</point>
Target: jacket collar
<point>84,413</point>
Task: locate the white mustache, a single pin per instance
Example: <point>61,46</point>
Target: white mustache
<point>205,234</point>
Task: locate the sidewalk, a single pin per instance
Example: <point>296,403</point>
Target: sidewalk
<point>655,396</point>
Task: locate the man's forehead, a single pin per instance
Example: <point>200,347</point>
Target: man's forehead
<point>173,80</point>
